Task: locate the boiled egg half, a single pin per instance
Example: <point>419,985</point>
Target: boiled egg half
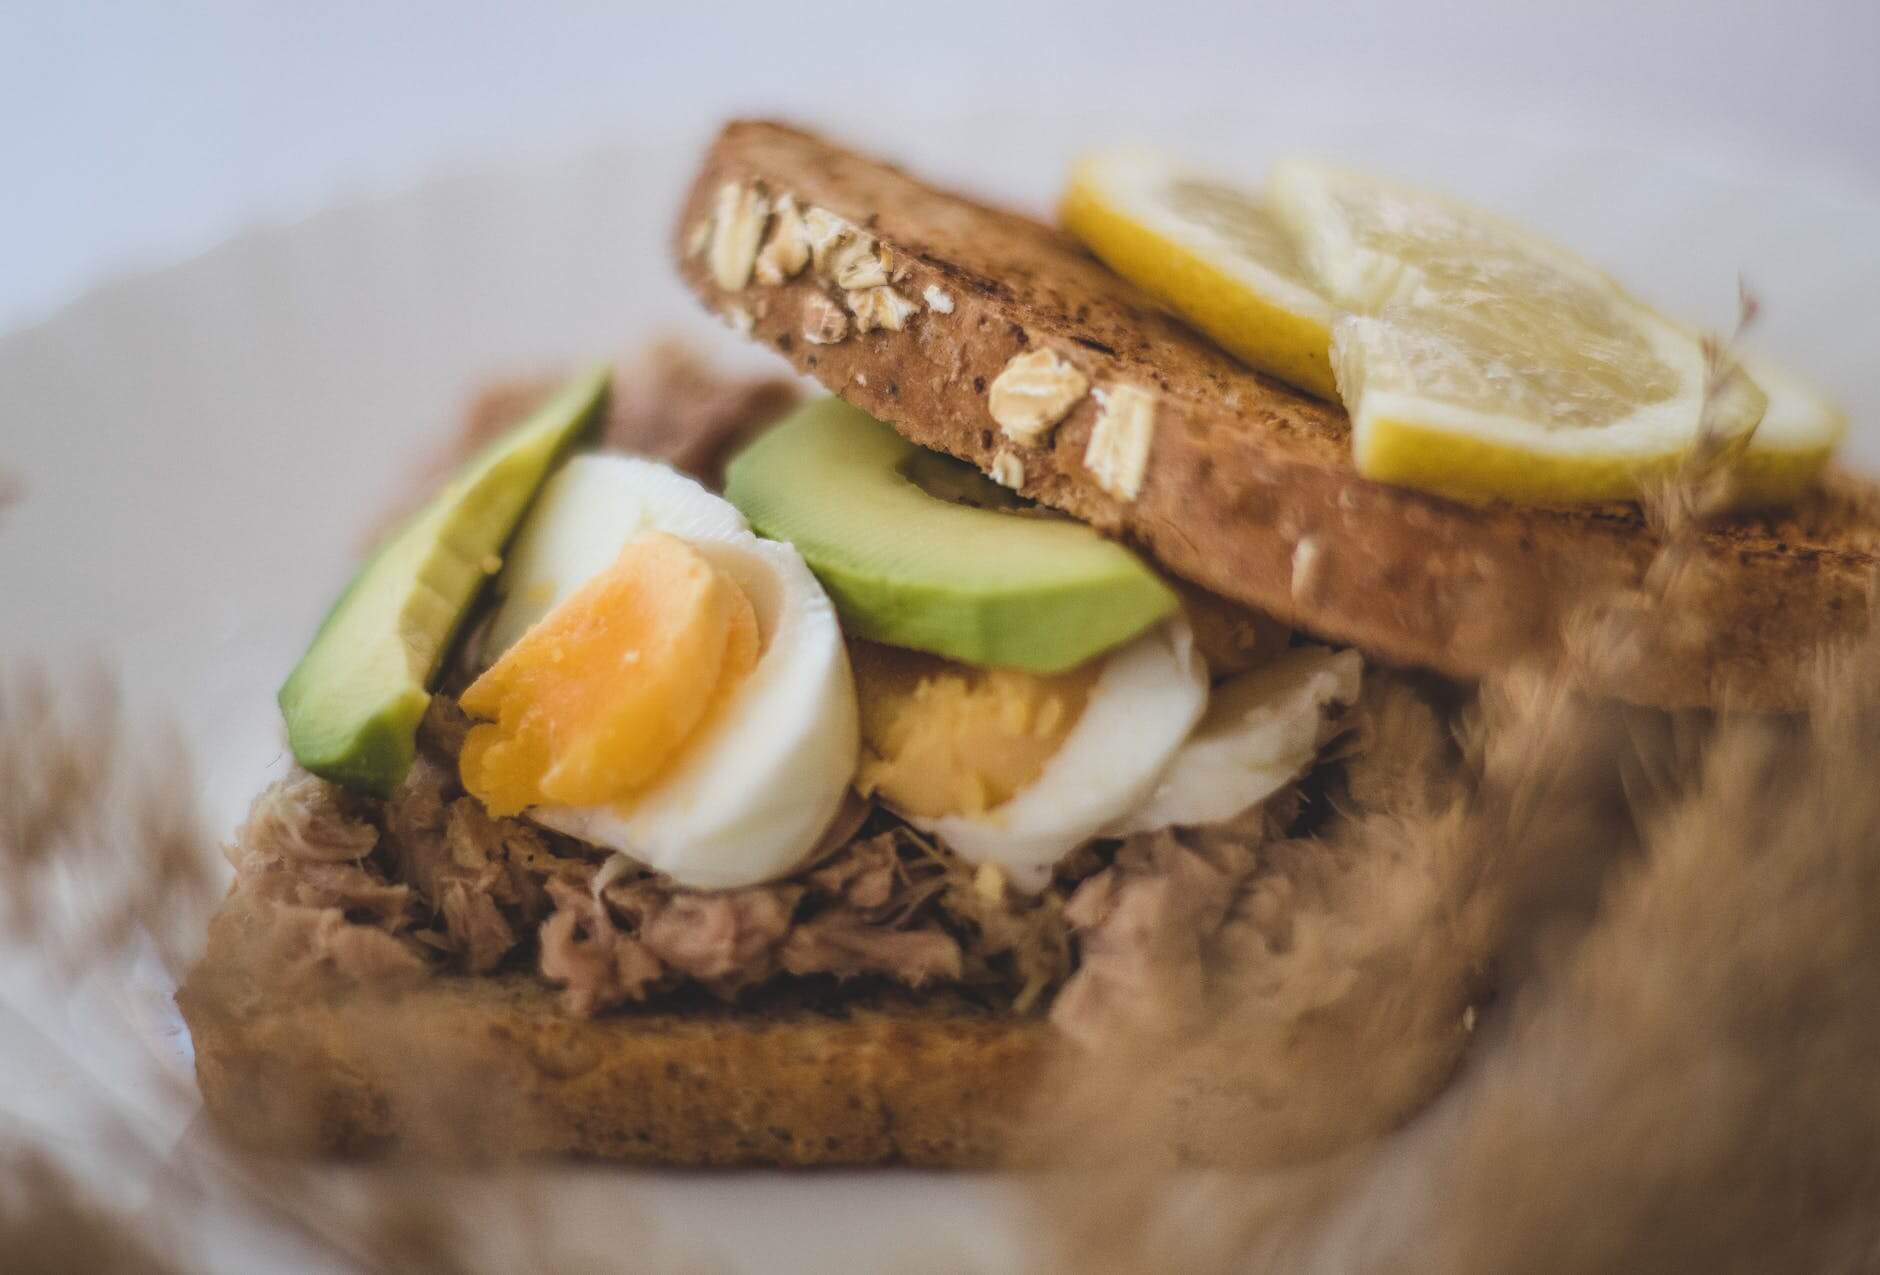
<point>1016,770</point>
<point>661,682</point>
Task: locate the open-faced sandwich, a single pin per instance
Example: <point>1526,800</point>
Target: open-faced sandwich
<point>795,809</point>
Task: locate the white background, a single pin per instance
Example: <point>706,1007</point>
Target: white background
<point>131,134</point>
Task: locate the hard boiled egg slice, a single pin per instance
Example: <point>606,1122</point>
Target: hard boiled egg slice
<point>1145,701</point>
<point>1262,730</point>
<point>747,798</point>
<point>583,515</point>
<point>595,701</point>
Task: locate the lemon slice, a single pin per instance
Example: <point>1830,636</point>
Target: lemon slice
<point>1475,358</point>
<point>1212,253</point>
<point>1368,243</point>
<point>1481,361</point>
<point>1428,412</point>
<point>1800,430</point>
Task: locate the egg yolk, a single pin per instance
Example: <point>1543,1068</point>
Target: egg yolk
<point>941,738</point>
<point>594,701</point>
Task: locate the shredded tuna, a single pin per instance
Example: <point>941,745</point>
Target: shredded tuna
<point>305,819</point>
<point>598,966</point>
<point>719,938</point>
<point>886,906</point>
<point>1033,943</point>
<point>1146,926</point>
<point>864,875</point>
<point>442,730</point>
<point>482,878</point>
<point>414,817</point>
<point>476,927</point>
<point>429,879</point>
<point>438,882</point>
<point>303,849</point>
<point>848,944</point>
<point>319,945</point>
<point>360,894</point>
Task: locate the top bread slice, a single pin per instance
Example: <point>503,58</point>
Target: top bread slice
<point>911,301</point>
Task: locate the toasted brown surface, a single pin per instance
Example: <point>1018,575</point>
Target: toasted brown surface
<point>1249,489</point>
<point>488,1065</point>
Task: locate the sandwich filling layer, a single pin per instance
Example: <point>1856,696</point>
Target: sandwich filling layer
<point>669,756</point>
<point>358,890</point>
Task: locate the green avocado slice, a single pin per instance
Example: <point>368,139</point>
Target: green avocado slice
<point>921,551</point>
<point>353,703</point>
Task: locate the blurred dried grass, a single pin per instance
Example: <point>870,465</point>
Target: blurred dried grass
<point>1605,1002</point>
<point>1673,1021</point>
<point>103,864</point>
<point>100,843</point>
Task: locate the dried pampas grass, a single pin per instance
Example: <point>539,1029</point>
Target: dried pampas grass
<point>1657,940</point>
<point>48,1222</point>
<point>100,841</point>
<point>103,868</point>
<point>1605,1001</point>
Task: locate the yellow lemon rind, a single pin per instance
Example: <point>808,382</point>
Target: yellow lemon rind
<point>1469,468</point>
<point>1292,347</point>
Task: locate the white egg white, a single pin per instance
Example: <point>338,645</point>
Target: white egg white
<point>1262,730</point>
<point>1145,701</point>
<point>750,798</point>
<point>582,518</point>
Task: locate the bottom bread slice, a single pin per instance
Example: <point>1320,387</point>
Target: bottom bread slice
<point>490,1065</point>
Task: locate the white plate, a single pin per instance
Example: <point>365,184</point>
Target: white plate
<point>200,447</point>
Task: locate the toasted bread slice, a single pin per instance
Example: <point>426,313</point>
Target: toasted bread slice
<point>1223,476</point>
<point>489,1066</point>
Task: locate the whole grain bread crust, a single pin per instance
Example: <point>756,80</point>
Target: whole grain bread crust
<point>489,1066</point>
<point>1248,488</point>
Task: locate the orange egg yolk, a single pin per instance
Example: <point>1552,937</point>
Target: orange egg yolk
<point>940,738</point>
<point>597,699</point>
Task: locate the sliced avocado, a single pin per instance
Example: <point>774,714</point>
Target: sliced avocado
<point>353,702</point>
<point>959,576</point>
